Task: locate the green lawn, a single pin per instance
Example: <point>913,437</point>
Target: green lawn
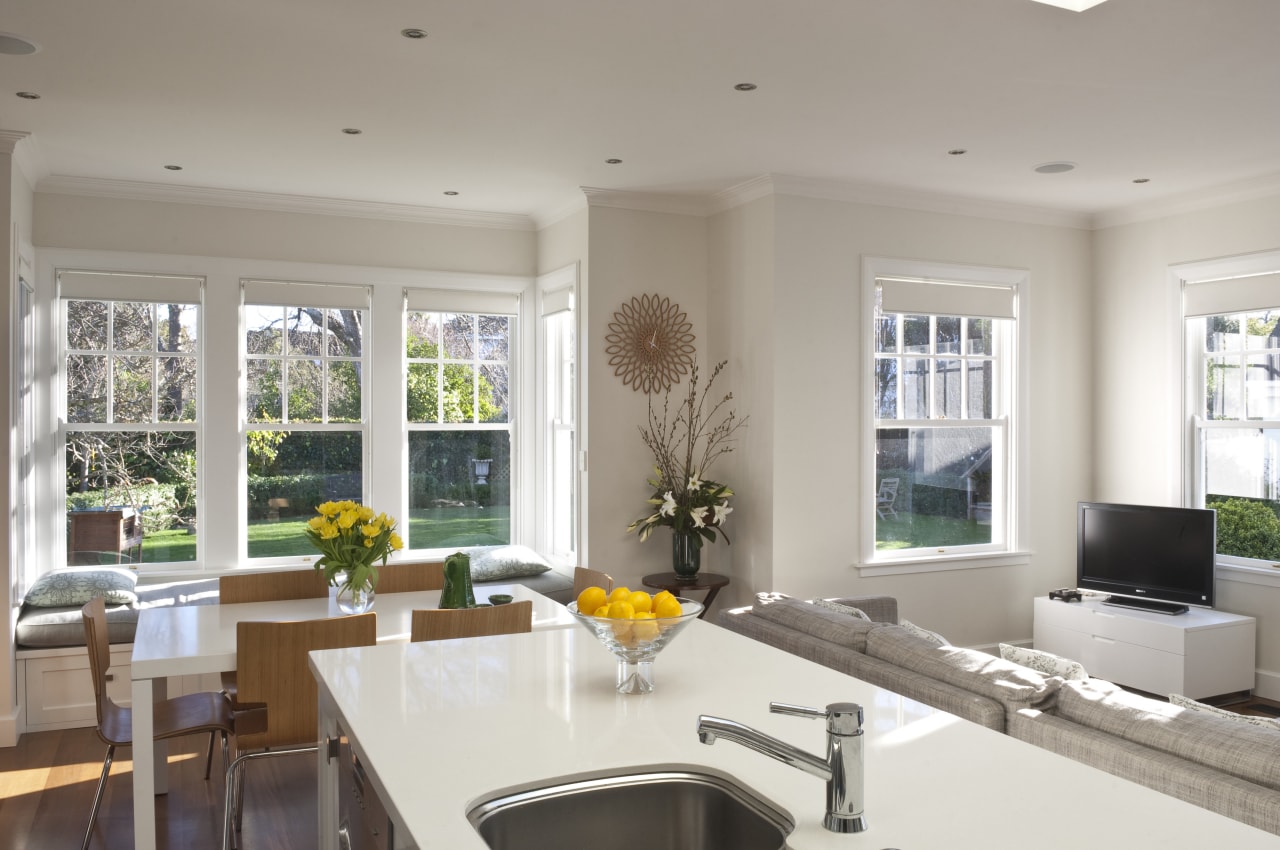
<point>434,528</point>
<point>912,531</point>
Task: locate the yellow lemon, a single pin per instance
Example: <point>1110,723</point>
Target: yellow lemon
<point>644,627</point>
<point>620,593</point>
<point>641,601</point>
<point>668,606</point>
<point>661,594</point>
<point>621,609</point>
<point>602,611</point>
<point>591,599</point>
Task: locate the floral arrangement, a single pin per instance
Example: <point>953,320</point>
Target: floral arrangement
<point>685,444</point>
<point>351,538</point>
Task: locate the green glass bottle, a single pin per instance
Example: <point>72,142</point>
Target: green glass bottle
<point>457,591</point>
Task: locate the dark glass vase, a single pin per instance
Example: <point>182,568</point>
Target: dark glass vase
<point>686,554</point>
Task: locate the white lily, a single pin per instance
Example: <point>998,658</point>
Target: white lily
<point>668,505</point>
<point>698,515</point>
<point>694,483</point>
<point>722,512</point>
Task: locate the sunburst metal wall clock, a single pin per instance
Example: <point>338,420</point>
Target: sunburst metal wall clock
<point>650,346</point>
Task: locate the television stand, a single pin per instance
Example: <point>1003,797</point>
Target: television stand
<point>1202,653</point>
<point>1153,605</point>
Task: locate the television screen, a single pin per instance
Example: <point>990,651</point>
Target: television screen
<point>1146,552</point>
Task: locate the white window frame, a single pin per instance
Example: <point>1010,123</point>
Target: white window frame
<point>1227,286</point>
<point>1009,550</point>
<point>558,415</point>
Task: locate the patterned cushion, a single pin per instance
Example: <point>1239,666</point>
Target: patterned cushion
<point>831,605</point>
<point>1188,703</point>
<point>78,586</point>
<point>1045,662</point>
<point>924,634</point>
<point>494,563</point>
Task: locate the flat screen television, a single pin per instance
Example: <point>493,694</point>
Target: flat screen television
<point>1147,557</point>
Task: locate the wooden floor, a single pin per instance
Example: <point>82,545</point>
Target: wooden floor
<point>47,783</point>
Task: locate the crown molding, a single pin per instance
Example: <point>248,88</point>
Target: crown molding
<point>26,154</point>
<point>1267,186</point>
<point>698,205</point>
<point>553,215</point>
<point>889,196</point>
<point>142,191</point>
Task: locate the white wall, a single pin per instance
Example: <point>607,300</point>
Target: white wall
<point>814,308</point>
<point>633,253</point>
<point>1137,381</point>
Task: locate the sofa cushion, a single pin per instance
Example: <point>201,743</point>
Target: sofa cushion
<point>838,629</point>
<point>832,605</point>
<point>1245,751</point>
<point>61,588</point>
<point>493,563</point>
<point>1012,685</point>
<point>1045,662</point>
<point>924,634</point>
<point>1180,701</point>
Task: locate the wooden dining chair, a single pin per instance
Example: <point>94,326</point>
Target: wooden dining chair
<point>189,714</point>
<point>271,586</point>
<point>408,577</point>
<point>584,577</point>
<point>445,623</point>
<point>279,693</point>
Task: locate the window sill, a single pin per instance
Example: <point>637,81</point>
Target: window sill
<point>1266,576</point>
<point>980,560</point>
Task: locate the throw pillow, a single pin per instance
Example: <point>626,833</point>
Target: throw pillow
<point>925,634</point>
<point>1045,662</point>
<point>494,563</point>
<point>841,609</point>
<point>76,587</point>
<point>1186,702</point>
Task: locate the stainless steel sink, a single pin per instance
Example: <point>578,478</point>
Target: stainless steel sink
<point>665,808</point>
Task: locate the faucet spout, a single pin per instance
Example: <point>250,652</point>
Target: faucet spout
<point>841,769</point>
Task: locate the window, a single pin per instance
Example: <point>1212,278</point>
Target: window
<point>130,415</point>
<point>1233,369</point>
<point>305,440</point>
<point>942,412</point>
<point>458,411</point>
<point>559,503</point>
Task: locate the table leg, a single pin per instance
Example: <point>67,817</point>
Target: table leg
<point>150,759</point>
<point>706,603</point>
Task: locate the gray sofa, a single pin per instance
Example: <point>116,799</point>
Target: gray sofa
<point>1228,765</point>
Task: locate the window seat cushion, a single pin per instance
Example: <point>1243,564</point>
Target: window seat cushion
<point>43,628</point>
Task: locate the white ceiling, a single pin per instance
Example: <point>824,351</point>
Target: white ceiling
<point>516,104</point>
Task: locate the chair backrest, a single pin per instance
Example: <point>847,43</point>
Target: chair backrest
<point>888,489</point>
<point>271,586</point>
<point>445,623</point>
<point>94,614</point>
<point>408,577</point>
<point>584,578</point>
<point>271,668</point>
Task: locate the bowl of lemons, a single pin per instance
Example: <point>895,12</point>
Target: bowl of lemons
<point>635,627</point>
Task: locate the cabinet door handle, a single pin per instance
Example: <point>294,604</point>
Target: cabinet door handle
<point>1101,639</point>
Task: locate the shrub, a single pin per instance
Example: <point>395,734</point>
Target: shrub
<point>1247,528</point>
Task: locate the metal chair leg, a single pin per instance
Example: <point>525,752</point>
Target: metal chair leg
<point>97,797</point>
<point>234,809</point>
<point>208,759</point>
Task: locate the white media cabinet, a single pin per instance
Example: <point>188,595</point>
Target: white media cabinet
<point>1198,654</point>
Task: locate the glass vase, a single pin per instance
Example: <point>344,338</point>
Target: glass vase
<point>354,600</point>
<point>686,554</point>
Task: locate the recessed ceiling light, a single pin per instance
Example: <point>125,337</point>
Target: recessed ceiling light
<point>1073,5</point>
<point>450,192</point>
<point>173,167</point>
<point>16,45</point>
<point>613,161</point>
<point>413,32</point>
<point>1055,167</point>
<point>1142,180</point>
<point>352,131</point>
<point>745,87</point>
<point>957,151</point>
<point>28,95</point>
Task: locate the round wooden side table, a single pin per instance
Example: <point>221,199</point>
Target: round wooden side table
<point>710,582</point>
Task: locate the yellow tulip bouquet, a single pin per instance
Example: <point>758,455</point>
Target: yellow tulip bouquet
<point>351,538</point>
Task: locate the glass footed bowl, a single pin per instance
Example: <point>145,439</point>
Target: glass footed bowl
<point>637,642</point>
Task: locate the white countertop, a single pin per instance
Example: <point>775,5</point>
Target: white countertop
<point>444,725</point>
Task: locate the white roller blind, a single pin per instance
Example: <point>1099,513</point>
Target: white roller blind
<point>462,301</point>
<point>557,301</point>
<point>341,296</point>
<point>1231,295</point>
<point>110,286</point>
<point>947,298</point>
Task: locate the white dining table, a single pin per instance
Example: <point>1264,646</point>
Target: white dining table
<point>192,640</point>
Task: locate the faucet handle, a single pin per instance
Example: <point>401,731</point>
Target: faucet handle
<point>843,718</point>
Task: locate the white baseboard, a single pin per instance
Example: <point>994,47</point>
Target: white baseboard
<point>1267,684</point>
<point>9,725</point>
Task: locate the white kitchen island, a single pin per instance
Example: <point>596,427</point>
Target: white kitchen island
<point>441,726</point>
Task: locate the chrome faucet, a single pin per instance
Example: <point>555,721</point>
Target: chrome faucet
<point>842,768</point>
